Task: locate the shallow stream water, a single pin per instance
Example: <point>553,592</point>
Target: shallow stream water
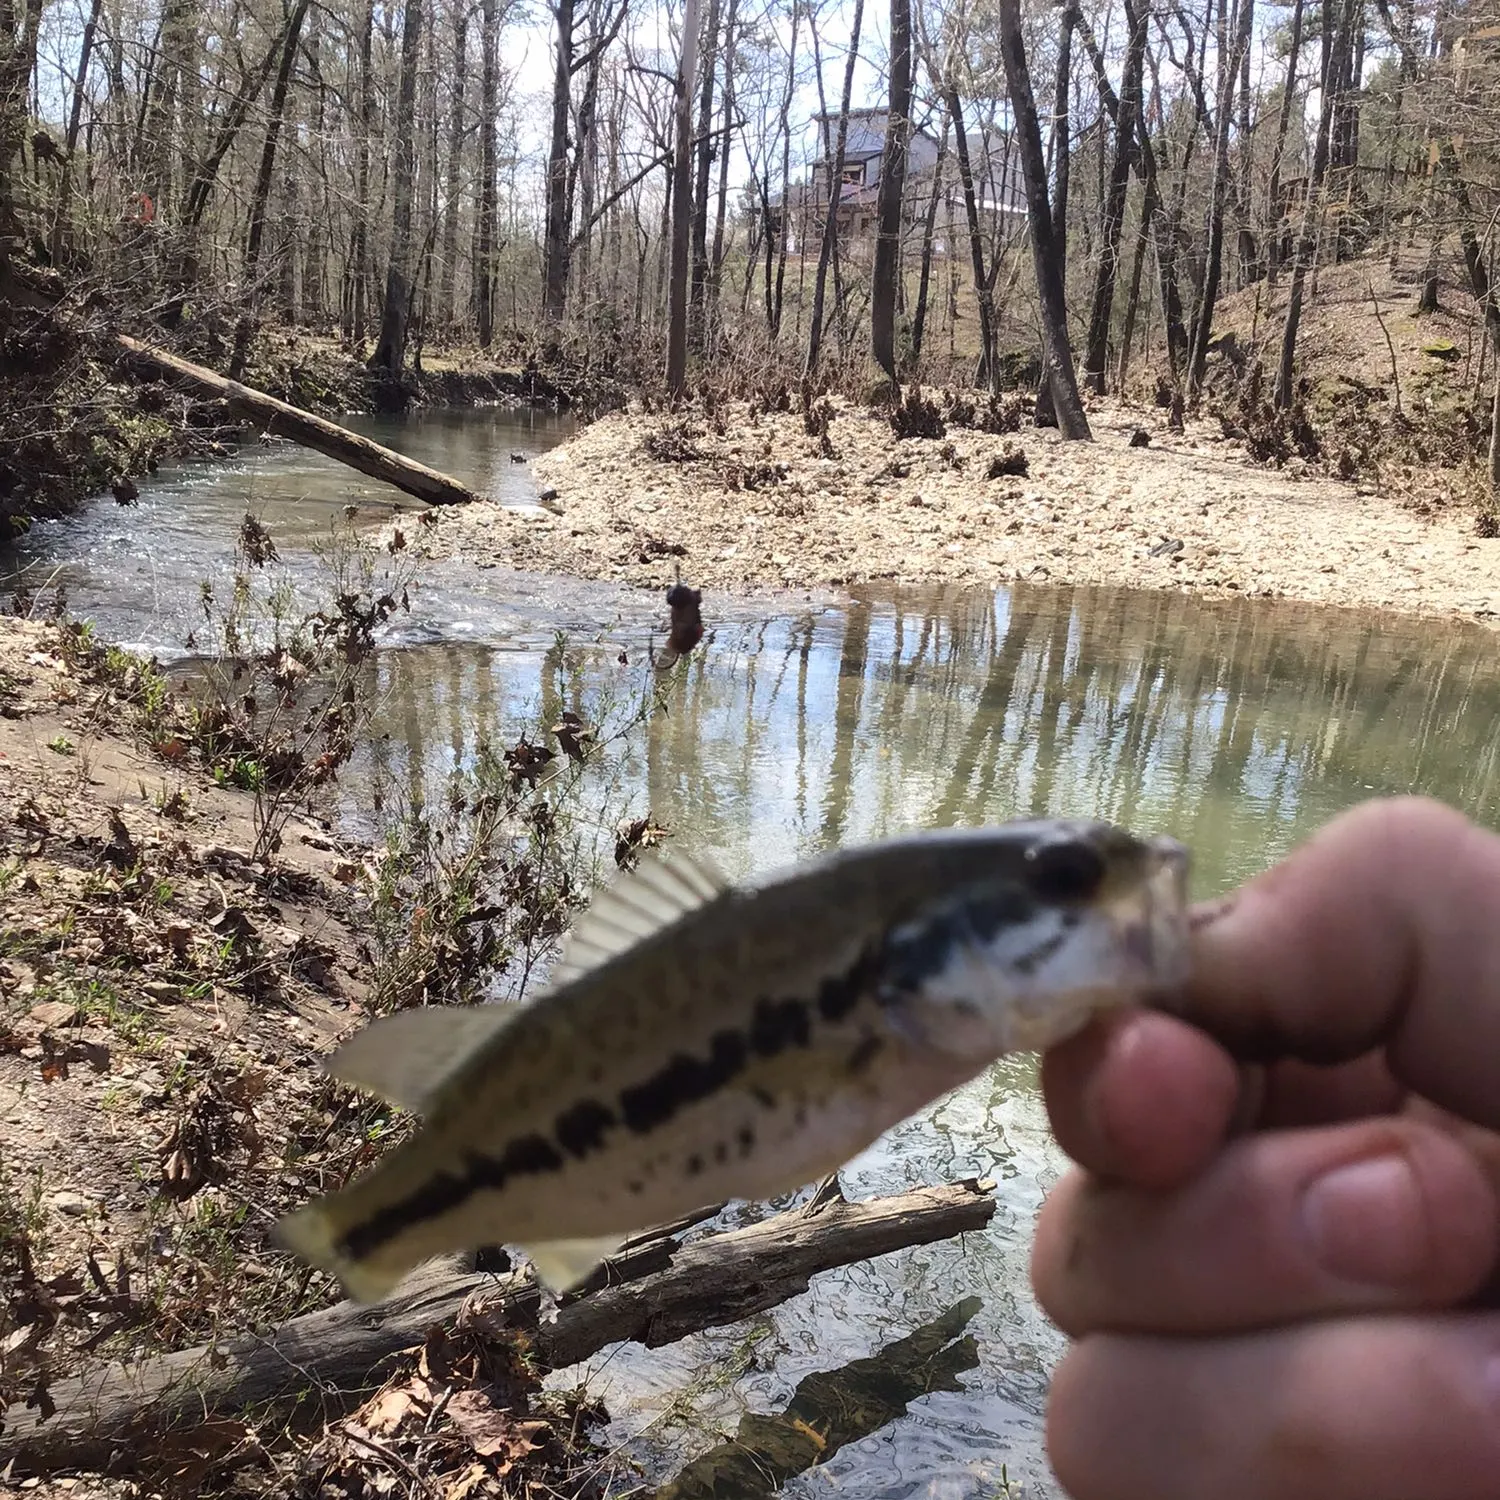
<point>1237,726</point>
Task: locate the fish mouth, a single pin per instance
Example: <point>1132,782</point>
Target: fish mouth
<point>1153,924</point>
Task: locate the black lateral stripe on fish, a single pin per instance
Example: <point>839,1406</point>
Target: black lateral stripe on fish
<point>583,1127</point>
<point>698,1041</point>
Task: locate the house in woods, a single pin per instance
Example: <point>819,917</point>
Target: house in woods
<point>996,166</point>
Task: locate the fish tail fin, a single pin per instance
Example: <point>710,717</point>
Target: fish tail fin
<point>313,1234</point>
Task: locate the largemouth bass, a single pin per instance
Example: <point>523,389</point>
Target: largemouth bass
<point>699,1042</point>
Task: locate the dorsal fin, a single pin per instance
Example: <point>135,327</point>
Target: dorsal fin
<point>656,894</point>
<point>404,1058</point>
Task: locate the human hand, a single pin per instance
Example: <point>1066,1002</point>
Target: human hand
<point>1275,1254</point>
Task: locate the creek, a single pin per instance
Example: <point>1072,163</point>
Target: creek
<point>805,724</point>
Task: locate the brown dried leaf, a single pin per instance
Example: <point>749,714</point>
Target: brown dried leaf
<point>492,1431</point>
<point>385,1412</point>
<point>475,1480</point>
<point>573,735</point>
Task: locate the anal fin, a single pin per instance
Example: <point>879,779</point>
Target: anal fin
<point>562,1264</point>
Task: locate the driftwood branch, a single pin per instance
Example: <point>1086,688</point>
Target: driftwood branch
<point>655,1291</point>
<point>303,427</point>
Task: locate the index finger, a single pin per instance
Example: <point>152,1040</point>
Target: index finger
<point>1382,931</point>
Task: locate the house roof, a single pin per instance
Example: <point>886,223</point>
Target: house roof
<point>862,123</point>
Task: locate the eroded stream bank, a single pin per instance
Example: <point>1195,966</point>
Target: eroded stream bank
<point>808,722</point>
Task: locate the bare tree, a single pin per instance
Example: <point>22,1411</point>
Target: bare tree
<point>1336,26</point>
<point>682,206</point>
<point>1061,379</point>
<point>1097,353</point>
<point>255,238</point>
<point>828,248</point>
<point>390,349</point>
<point>892,191</point>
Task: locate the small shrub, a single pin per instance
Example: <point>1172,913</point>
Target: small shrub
<point>1011,459</point>
<point>917,416</point>
<point>673,443</point>
<point>817,421</point>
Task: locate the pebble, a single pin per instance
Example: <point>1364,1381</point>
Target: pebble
<point>75,1204</point>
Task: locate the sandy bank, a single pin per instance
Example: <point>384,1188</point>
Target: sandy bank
<point>756,504</point>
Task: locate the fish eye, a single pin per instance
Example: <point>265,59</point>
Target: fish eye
<point>1071,871</point>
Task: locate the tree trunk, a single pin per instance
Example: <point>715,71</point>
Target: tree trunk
<point>1061,379</point>
<point>1203,324</point>
<point>390,350</point>
<point>1096,358</point>
<point>984,285</point>
<point>829,246</point>
<point>721,207</point>
<point>682,208</point>
<point>924,279</point>
<point>489,189</point>
<point>1246,254</point>
<point>448,269</point>
<point>892,191</point>
<point>303,427</point>
<point>18,47</point>
<point>1283,119</point>
<point>655,1291</point>
<point>245,330</point>
<point>359,250</point>
<point>1062,144</point>
<point>61,226</point>
<point>1495,434</point>
<point>555,245</point>
<point>1307,240</point>
<point>1479,279</point>
<point>774,304</point>
<point>709,55</point>
<point>1132,301</point>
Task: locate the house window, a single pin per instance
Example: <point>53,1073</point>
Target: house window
<point>855,174</point>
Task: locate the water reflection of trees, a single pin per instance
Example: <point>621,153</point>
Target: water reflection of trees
<point>831,1409</point>
<point>1236,724</point>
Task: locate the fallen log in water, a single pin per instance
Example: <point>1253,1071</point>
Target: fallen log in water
<point>654,1292</point>
<point>303,427</point>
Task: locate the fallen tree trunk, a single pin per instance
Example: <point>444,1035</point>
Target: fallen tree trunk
<point>657,1290</point>
<point>303,427</point>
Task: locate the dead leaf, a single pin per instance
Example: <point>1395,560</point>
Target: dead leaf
<point>492,1431</point>
<point>384,1413</point>
<point>573,735</point>
<point>527,762</point>
<point>633,834</point>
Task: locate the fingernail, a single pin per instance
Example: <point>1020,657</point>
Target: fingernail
<point>1367,1222</point>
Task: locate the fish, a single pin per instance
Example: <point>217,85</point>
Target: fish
<point>699,1041</point>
